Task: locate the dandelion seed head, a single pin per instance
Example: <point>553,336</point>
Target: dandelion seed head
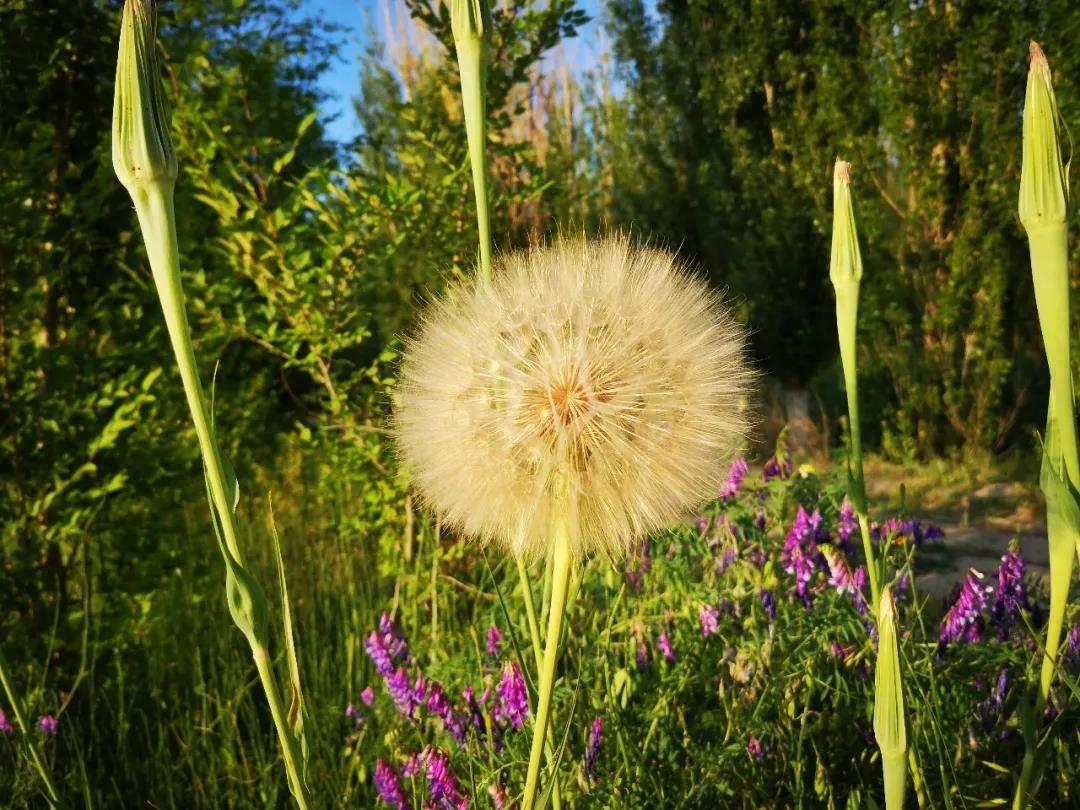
<point>590,381</point>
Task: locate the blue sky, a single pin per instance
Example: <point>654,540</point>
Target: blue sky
<point>357,18</point>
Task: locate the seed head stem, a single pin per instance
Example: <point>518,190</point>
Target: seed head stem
<point>560,571</point>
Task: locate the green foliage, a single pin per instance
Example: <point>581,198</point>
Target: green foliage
<point>732,117</point>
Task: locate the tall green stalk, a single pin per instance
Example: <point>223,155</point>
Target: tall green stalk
<point>560,566</point>
<point>145,163</point>
<point>1043,208</point>
<point>470,23</point>
<point>845,271</point>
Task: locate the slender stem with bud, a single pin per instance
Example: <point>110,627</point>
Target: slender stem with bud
<point>1043,207</point>
<point>845,271</point>
<point>145,163</point>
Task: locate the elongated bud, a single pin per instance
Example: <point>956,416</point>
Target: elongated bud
<point>468,19</point>
<point>470,24</point>
<point>890,729</point>
<point>845,264</point>
<point>1044,184</point>
<point>142,148</point>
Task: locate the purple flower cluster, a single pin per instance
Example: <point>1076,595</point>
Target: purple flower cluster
<point>768,602</point>
<point>664,645</point>
<point>1011,597</point>
<point>897,530</point>
<point>843,579</point>
<point>710,620</point>
<point>5,725</point>
<point>779,466</point>
<point>386,647</point>
<point>963,621</point>
<point>800,553</point>
<point>493,646</point>
<point>389,786</point>
<point>592,749</point>
<point>499,797</point>
<point>755,750</point>
<point>512,699</point>
<point>412,695</point>
<point>48,725</point>
<point>847,525</point>
<point>443,786</point>
<point>730,488</point>
<point>1072,644</point>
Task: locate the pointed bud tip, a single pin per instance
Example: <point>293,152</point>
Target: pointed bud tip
<point>1036,56</point>
<point>842,172</point>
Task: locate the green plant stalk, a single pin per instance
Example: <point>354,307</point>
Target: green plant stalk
<point>1043,206</point>
<point>154,207</point>
<point>468,18</point>
<point>560,569</point>
<point>19,711</point>
<point>845,272</point>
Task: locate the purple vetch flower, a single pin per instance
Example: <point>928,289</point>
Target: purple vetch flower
<point>768,602</point>
<point>499,797</point>
<point>726,558</point>
<point>1072,643</point>
<point>642,656</point>
<point>367,697</point>
<point>354,714</point>
<point>5,725</point>
<point>442,784</point>
<point>494,642</point>
<point>989,710</point>
<point>636,575</point>
<point>407,698</point>
<point>730,488</point>
<point>756,556</point>
<point>779,466</point>
<point>379,654</point>
<point>841,576</point>
<point>759,519</point>
<point>395,642</point>
<point>963,621</point>
<point>841,651</point>
<point>754,749</point>
<point>1011,596</point>
<point>847,526</point>
<point>800,552</point>
<point>388,786</point>
<point>513,697</point>
<point>664,645</point>
<point>710,620</point>
<point>592,750</point>
<point>702,524</point>
<point>439,705</point>
<point>48,725</point>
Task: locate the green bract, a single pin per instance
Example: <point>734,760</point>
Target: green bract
<point>890,728</point>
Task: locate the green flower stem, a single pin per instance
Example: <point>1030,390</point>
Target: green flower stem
<point>154,207</point>
<point>847,310</point>
<point>21,718</point>
<point>845,272</point>
<point>560,570</point>
<point>538,654</point>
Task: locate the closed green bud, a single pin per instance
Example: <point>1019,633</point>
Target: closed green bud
<point>468,19</point>
<point>1044,184</point>
<point>845,265</point>
<point>142,148</point>
<point>890,726</point>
